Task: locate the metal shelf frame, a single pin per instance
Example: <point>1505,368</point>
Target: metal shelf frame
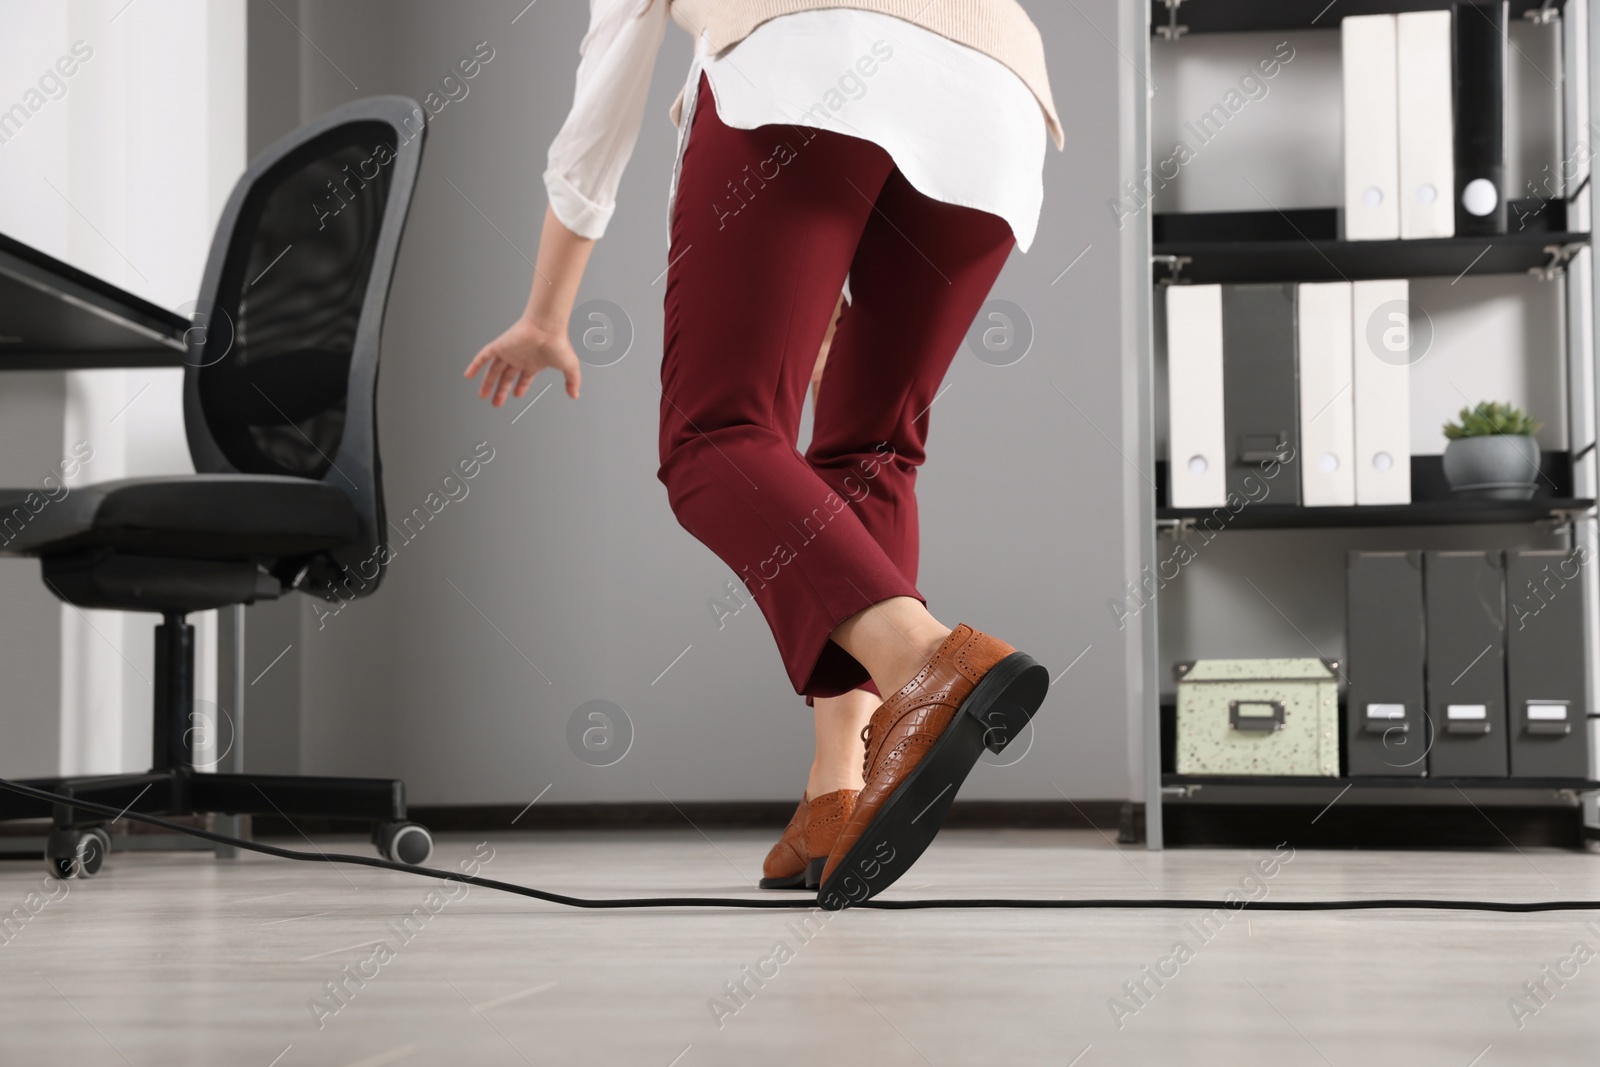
<point>1178,18</point>
<point>1578,281</point>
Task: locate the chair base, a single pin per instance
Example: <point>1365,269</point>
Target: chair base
<point>186,792</point>
<point>79,840</point>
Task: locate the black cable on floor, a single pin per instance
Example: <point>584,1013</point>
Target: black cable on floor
<point>794,903</point>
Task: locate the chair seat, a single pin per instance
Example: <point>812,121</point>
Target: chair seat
<point>192,516</point>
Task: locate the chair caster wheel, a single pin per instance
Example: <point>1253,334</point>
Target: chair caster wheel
<point>77,852</point>
<point>403,842</point>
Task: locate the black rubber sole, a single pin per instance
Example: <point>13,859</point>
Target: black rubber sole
<point>810,878</point>
<point>993,715</point>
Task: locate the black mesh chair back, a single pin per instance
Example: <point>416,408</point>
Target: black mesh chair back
<point>282,370</point>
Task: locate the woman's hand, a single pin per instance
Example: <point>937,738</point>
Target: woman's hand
<point>539,338</point>
<point>510,361</point>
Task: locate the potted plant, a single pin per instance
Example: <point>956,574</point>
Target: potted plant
<point>1492,454</point>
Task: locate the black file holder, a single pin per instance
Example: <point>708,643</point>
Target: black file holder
<point>1545,679</point>
<point>1386,728</point>
<point>1261,392</point>
<point>1480,46</point>
<point>1465,597</point>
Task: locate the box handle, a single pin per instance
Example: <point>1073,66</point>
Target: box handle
<point>1547,718</point>
<point>1384,718</point>
<point>1263,723</point>
<point>1263,447</point>
<point>1466,719</point>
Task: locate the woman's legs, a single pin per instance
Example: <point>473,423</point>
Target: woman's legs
<point>766,225</point>
<point>839,722</point>
<point>893,639</point>
<point>918,278</point>
<point>761,241</point>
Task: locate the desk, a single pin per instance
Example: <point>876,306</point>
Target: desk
<point>54,316</point>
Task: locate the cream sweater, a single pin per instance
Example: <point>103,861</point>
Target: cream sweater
<point>999,28</point>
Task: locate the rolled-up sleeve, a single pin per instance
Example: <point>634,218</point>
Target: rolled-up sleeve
<point>589,154</point>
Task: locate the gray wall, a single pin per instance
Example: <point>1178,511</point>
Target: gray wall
<point>563,577</point>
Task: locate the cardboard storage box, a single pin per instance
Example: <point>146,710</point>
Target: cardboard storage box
<point>1258,716</point>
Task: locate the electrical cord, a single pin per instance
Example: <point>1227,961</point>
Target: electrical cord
<point>795,903</point>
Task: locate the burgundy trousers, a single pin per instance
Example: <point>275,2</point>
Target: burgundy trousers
<point>766,225</point>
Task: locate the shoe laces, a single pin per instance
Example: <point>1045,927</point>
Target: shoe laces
<point>866,754</point>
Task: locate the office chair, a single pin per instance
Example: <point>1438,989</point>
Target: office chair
<point>280,390</point>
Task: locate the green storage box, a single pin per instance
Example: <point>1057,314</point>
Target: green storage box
<point>1258,716</point>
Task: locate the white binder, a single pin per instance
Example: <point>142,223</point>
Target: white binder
<point>1380,328</point>
<point>1327,401</point>
<point>1424,47</point>
<point>1371,129</point>
<point>1197,454</point>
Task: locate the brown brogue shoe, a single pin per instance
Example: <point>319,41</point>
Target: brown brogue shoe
<point>795,862</point>
<point>976,692</point>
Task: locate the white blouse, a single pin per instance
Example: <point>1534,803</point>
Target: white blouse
<point>959,124</point>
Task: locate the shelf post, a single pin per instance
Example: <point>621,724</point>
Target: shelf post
<point>1143,673</point>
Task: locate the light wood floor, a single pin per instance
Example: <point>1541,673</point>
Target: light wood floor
<point>175,959</point>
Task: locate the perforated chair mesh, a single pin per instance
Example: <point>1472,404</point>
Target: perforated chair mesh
<point>274,380</point>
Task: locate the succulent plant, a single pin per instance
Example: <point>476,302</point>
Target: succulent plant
<point>1491,418</point>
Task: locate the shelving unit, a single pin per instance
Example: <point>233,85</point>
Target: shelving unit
<point>1431,505</point>
<point>1301,244</point>
<point>1255,16</point>
<point>1429,513</point>
<point>1353,811</point>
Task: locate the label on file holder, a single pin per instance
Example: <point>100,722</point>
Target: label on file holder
<point>1386,711</point>
<point>1467,711</point>
<point>1549,710</point>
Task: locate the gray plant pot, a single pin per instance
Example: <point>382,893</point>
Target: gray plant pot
<point>1492,467</point>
